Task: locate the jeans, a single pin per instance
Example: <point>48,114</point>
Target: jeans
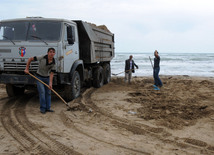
<point>158,81</point>
<point>128,76</point>
<point>44,94</point>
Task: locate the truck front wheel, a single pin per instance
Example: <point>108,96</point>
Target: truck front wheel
<point>98,77</point>
<point>73,91</point>
<point>14,90</point>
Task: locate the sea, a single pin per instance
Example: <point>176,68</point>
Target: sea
<point>191,64</point>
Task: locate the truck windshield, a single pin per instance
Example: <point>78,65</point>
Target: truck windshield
<point>23,31</point>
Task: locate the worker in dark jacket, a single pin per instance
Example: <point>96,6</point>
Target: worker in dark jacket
<point>129,68</point>
<point>157,80</point>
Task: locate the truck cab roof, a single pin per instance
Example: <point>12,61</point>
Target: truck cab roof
<point>37,19</point>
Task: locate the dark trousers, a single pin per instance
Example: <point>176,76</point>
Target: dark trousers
<point>44,94</point>
<point>158,81</point>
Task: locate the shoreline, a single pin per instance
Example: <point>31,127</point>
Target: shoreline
<point>167,76</point>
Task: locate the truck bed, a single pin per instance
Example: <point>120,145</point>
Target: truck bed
<point>96,44</point>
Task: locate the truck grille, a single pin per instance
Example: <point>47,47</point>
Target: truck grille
<point>19,66</point>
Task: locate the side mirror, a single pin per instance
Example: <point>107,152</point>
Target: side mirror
<point>70,41</point>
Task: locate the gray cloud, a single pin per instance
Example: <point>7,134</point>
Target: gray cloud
<point>139,25</point>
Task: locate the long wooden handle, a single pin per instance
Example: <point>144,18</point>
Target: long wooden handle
<point>123,72</point>
<point>151,62</point>
<point>48,87</point>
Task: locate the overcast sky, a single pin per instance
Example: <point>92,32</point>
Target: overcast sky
<point>138,25</point>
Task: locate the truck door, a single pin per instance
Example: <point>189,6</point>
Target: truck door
<point>71,53</point>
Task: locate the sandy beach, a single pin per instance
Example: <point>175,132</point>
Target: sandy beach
<point>117,118</point>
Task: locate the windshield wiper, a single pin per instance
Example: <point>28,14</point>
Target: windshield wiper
<point>27,31</point>
<point>9,39</point>
<point>40,39</point>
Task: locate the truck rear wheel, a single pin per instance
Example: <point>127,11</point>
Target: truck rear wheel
<point>73,91</point>
<point>14,90</point>
<point>98,77</point>
<point>107,73</point>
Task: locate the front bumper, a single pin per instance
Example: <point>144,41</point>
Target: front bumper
<point>17,79</point>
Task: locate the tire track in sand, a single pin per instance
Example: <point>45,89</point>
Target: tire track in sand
<point>69,123</point>
<point>142,129</point>
<point>15,121</point>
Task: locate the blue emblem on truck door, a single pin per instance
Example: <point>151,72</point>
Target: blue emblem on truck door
<point>22,51</point>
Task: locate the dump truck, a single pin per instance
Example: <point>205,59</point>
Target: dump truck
<point>83,53</point>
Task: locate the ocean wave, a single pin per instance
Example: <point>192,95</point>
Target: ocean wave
<point>170,64</point>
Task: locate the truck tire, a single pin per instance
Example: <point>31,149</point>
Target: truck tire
<point>107,73</point>
<point>98,77</point>
<point>14,90</point>
<point>73,91</point>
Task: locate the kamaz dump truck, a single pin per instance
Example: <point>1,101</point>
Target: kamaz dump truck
<point>83,53</point>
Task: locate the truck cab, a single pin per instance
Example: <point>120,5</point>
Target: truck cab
<point>24,38</point>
